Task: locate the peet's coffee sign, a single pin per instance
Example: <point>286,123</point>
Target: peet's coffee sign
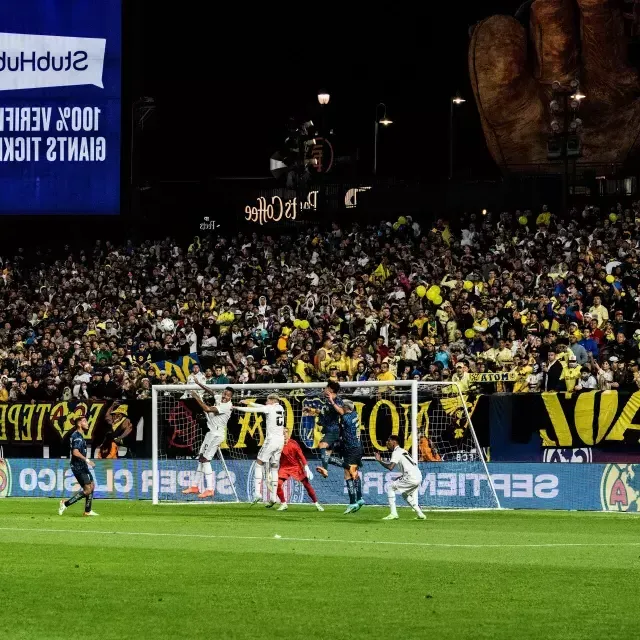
<point>279,209</point>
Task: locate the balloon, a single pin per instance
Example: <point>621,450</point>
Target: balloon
<point>421,291</point>
<point>610,279</point>
<point>435,289</point>
<point>296,323</point>
<point>613,217</point>
<point>304,324</point>
<point>402,220</point>
<point>522,220</point>
<point>469,333</point>
<point>396,226</point>
<point>437,300</point>
<point>468,285</point>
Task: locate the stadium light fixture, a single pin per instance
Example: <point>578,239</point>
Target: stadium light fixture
<point>324,97</point>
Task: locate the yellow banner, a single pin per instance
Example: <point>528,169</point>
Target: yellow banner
<point>505,376</point>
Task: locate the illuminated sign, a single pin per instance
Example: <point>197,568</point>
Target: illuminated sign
<point>279,209</point>
<point>351,197</point>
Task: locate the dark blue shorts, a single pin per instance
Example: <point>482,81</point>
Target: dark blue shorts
<point>353,456</point>
<point>331,436</point>
<point>83,475</point>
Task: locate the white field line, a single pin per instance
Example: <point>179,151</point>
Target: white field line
<point>204,536</point>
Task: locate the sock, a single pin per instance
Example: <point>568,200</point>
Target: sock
<point>273,484</point>
<point>198,476</point>
<point>358,485</point>
<point>280,492</point>
<point>74,498</point>
<point>412,499</point>
<point>257,480</point>
<point>208,475</point>
<point>338,462</point>
<point>351,490</point>
<point>310,490</point>
<point>87,502</point>
<point>324,458</point>
<point>391,494</point>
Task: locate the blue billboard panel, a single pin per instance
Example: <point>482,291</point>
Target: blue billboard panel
<point>587,487</point>
<point>60,107</point>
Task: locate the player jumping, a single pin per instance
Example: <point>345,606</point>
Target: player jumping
<point>80,466</point>
<point>352,452</point>
<point>407,483</point>
<point>217,418</point>
<point>293,464</point>
<point>329,420</point>
<point>271,449</point>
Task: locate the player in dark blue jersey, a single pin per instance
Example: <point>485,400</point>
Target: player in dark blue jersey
<point>80,466</point>
<point>352,453</point>
<point>329,419</point>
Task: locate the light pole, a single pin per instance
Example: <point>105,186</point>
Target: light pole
<point>379,121</point>
<point>565,141</point>
<point>457,100</point>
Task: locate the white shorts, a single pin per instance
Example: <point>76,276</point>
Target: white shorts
<point>211,444</point>
<point>270,452</point>
<point>406,485</point>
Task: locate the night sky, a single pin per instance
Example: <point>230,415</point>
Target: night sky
<point>225,89</point>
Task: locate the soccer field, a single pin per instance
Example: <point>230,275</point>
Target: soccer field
<point>236,571</point>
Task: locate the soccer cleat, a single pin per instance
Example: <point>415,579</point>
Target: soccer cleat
<point>282,507</point>
<point>90,513</point>
<point>359,504</point>
<point>62,508</point>
<point>420,517</point>
<point>319,507</point>
<point>323,472</point>
<point>191,490</point>
<point>352,508</point>
<point>269,504</point>
<point>256,499</point>
<point>208,493</point>
<point>392,516</point>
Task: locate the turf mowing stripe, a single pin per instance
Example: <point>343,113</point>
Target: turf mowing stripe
<point>332,540</point>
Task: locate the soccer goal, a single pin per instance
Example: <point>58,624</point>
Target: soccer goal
<point>433,422</point>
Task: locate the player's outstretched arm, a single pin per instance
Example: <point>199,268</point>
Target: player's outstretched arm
<point>206,408</point>
<point>202,386</point>
<point>253,407</point>
<point>387,465</point>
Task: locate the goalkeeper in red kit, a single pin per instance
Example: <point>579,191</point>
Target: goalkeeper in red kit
<point>293,464</point>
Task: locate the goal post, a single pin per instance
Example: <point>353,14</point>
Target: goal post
<point>433,422</point>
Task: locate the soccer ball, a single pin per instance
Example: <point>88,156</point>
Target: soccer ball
<point>167,325</point>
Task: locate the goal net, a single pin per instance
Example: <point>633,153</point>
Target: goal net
<point>433,422</point>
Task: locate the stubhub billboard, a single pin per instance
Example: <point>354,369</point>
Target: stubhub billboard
<point>60,107</point>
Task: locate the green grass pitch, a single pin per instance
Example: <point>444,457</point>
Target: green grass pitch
<point>140,571</point>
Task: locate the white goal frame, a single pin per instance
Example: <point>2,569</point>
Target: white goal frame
<point>413,385</point>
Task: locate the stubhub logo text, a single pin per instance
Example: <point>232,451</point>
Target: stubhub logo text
<point>33,61</point>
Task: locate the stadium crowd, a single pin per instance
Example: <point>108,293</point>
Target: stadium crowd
<point>554,301</point>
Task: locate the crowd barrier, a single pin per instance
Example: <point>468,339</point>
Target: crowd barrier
<point>595,487</point>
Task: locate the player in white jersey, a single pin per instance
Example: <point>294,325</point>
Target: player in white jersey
<point>407,483</point>
<point>269,454</point>
<point>217,418</point>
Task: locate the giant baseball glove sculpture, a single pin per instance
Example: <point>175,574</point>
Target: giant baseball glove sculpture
<point>571,39</point>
